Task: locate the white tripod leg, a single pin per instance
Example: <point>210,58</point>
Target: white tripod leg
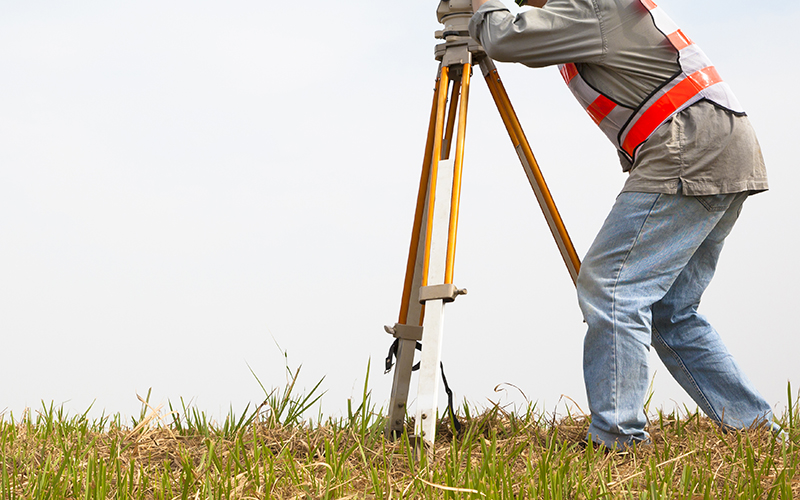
<point>428,391</point>
<point>433,323</point>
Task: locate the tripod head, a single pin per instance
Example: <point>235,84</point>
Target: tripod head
<point>458,46</point>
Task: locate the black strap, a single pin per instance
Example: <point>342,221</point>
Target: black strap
<point>393,354</point>
<point>450,410</point>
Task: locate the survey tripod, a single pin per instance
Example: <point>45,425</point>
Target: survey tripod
<point>429,273</point>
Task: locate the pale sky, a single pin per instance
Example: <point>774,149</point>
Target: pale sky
<point>186,186</point>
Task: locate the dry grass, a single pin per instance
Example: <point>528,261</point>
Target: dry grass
<point>272,453</point>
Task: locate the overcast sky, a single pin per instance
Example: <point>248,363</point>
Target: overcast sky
<point>189,190</point>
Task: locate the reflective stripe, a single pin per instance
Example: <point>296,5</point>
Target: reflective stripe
<point>679,40</point>
<point>663,22</point>
<point>659,111</point>
<point>600,108</point>
<point>568,72</point>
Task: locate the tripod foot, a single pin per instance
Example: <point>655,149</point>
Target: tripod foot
<point>421,447</point>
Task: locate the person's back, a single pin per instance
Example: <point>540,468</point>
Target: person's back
<point>619,51</point>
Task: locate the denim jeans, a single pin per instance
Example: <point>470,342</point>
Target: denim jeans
<point>640,284</point>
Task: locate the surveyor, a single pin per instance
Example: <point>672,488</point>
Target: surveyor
<point>692,159</point>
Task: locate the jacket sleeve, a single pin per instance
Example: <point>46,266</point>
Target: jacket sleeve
<point>561,32</point>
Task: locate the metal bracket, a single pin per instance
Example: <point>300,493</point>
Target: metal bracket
<point>447,292</point>
<point>487,65</point>
<point>404,332</point>
<point>456,54</point>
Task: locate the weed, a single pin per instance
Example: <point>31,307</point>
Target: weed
<point>270,451</point>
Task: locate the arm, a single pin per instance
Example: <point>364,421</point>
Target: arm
<point>476,4</point>
<point>564,31</point>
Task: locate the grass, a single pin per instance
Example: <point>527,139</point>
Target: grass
<point>271,451</point>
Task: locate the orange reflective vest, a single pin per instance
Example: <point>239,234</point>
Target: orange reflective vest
<point>628,128</point>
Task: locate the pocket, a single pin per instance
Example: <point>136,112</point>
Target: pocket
<point>715,202</point>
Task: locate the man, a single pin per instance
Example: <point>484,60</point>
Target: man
<point>692,159</point>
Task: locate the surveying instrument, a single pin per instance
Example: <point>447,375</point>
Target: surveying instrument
<point>428,282</point>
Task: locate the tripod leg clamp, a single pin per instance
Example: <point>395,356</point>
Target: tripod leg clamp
<point>447,293</point>
<point>404,332</point>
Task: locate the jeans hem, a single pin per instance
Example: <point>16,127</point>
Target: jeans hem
<point>616,441</point>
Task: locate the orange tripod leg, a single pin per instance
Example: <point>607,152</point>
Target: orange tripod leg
<point>457,168</point>
<point>532,170</point>
<point>408,332</point>
<point>419,214</point>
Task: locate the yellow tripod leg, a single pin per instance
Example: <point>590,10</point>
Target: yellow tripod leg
<point>439,290</point>
<point>408,329</point>
<point>459,161</point>
<point>531,167</point>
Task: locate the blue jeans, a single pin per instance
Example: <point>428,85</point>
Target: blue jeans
<point>640,284</point>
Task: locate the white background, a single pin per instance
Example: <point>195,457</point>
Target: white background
<point>192,189</point>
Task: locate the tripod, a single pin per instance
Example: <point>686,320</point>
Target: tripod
<point>428,282</point>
